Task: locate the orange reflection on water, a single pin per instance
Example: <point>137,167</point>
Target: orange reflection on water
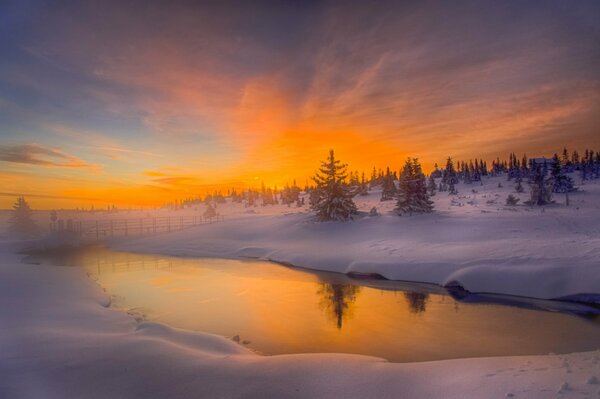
<point>276,310</point>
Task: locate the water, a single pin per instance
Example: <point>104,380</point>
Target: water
<point>276,309</point>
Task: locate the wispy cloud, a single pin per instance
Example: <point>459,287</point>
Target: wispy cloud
<point>35,154</point>
<point>124,150</point>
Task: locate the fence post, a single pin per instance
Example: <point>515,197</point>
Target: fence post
<point>141,226</point>
<point>181,223</point>
<point>111,228</point>
<point>97,232</point>
<point>126,227</point>
<point>154,225</point>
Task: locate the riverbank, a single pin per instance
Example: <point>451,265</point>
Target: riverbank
<point>61,339</point>
<point>472,240</point>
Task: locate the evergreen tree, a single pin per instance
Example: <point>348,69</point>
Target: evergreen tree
<point>449,177</point>
<point>413,197</point>
<point>436,171</point>
<point>210,211</point>
<point>431,186</point>
<point>332,199</point>
<point>541,187</point>
<point>363,188</point>
<point>452,189</point>
<point>290,195</point>
<point>21,222</point>
<point>561,182</point>
<point>388,191</point>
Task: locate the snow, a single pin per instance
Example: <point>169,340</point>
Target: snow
<point>60,339</point>
<point>472,239</point>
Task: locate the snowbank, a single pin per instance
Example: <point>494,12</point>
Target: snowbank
<point>60,339</point>
<point>472,240</point>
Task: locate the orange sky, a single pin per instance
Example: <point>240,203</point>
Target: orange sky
<point>143,103</point>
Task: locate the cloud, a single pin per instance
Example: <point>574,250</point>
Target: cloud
<point>35,154</point>
<point>49,196</point>
<point>124,150</point>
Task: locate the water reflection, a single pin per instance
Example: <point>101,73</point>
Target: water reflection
<point>417,301</point>
<point>337,300</point>
<point>287,310</point>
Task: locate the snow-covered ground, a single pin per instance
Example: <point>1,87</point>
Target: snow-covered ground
<point>60,339</point>
<point>472,239</point>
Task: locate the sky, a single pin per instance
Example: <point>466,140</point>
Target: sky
<point>141,102</point>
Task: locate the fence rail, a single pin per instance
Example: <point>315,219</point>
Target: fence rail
<point>129,227</point>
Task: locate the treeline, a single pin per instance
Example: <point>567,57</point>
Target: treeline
<point>543,175</point>
<point>332,196</point>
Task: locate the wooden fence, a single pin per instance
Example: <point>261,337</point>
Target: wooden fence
<point>129,227</point>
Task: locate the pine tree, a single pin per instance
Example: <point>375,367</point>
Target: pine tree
<point>449,177</point>
<point>413,197</point>
<point>431,186</point>
<point>210,212</point>
<point>332,199</point>
<point>541,187</point>
<point>388,191</point>
<point>452,189</point>
<point>561,182</point>
<point>21,222</point>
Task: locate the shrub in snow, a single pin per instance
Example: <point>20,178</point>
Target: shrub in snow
<point>564,387</point>
<point>519,187</point>
<point>592,380</point>
<point>511,200</point>
<point>413,196</point>
<point>332,198</point>
<point>21,222</point>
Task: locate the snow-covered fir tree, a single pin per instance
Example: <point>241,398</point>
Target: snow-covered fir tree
<point>332,198</point>
<point>431,186</point>
<point>388,187</point>
<point>561,182</point>
<point>412,195</point>
<point>290,194</point>
<point>540,185</point>
<point>21,222</point>
<point>449,177</point>
<point>210,211</point>
<point>363,188</point>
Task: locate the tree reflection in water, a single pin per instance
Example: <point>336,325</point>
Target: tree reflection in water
<point>417,301</point>
<point>337,300</point>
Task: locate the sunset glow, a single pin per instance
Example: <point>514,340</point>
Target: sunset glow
<point>135,104</point>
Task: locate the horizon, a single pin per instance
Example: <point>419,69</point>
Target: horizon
<point>139,104</point>
<point>84,204</point>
